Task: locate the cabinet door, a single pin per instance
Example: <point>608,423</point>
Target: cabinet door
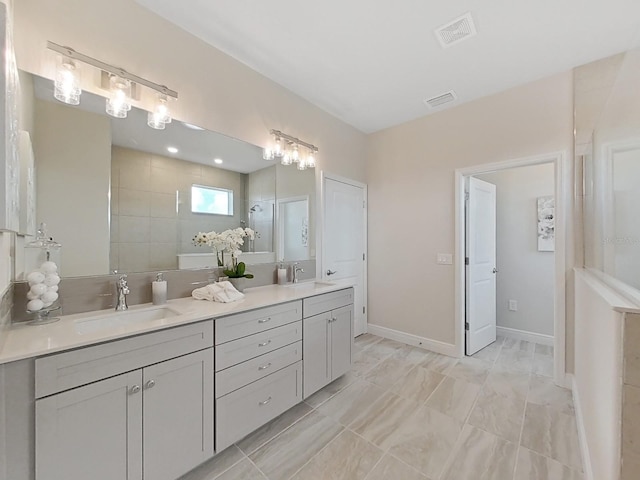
<point>178,415</point>
<point>341,340</point>
<point>316,371</point>
<point>92,432</point>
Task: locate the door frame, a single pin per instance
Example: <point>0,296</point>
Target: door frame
<point>321,234</point>
<point>562,193</point>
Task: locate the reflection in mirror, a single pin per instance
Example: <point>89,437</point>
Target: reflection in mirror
<point>607,103</point>
<point>116,198</point>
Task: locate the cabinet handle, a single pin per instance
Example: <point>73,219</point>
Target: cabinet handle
<point>135,389</point>
<point>264,367</point>
<point>150,384</point>
<point>264,344</point>
<point>264,402</point>
<point>264,320</point>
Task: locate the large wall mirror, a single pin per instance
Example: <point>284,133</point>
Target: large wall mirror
<point>607,103</point>
<point>119,195</point>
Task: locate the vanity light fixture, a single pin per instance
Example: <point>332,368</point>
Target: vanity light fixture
<point>290,153</point>
<point>121,84</point>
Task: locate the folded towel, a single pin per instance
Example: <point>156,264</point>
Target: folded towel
<point>223,292</point>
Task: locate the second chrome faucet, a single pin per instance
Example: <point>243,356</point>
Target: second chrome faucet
<point>122,290</point>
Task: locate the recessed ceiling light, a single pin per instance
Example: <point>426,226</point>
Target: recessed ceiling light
<point>172,150</point>
<point>217,160</point>
<point>192,126</point>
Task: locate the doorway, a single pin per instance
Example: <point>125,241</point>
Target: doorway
<point>344,240</point>
<point>556,272</point>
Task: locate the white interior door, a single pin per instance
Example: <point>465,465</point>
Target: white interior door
<point>481,266</point>
<point>344,242</point>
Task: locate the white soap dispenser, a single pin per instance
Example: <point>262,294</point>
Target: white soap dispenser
<point>159,290</point>
<point>282,274</point>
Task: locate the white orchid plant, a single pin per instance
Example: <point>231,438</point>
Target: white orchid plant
<point>228,241</point>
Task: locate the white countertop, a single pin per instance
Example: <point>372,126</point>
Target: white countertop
<point>26,341</point>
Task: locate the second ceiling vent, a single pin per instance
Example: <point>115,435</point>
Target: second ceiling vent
<point>456,31</point>
<point>441,99</point>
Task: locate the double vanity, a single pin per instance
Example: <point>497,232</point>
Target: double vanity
<point>152,392</point>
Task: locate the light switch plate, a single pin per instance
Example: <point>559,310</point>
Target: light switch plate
<point>444,259</point>
<point>513,305</point>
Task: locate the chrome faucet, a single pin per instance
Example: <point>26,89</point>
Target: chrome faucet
<point>295,269</point>
<point>122,290</point>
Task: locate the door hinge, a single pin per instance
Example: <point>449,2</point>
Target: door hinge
<point>466,196</point>
<point>363,309</point>
<point>466,260</point>
<point>364,204</point>
<point>466,325</point>
<point>363,256</point>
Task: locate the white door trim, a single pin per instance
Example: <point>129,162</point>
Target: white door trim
<point>562,192</point>
<point>321,233</point>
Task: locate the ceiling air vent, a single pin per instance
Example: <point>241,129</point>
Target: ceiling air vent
<point>456,31</point>
<point>441,99</point>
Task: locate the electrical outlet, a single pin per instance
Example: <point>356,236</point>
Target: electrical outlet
<point>444,259</point>
<point>513,305</point>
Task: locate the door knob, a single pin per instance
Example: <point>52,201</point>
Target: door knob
<point>331,272</point>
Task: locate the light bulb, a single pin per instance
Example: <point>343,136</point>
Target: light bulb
<point>295,155</point>
<point>119,101</point>
<point>160,115</point>
<point>302,165</point>
<point>67,82</point>
<point>267,154</point>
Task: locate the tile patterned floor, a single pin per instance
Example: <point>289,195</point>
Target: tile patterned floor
<point>404,413</point>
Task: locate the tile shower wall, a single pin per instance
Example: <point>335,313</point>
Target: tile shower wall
<point>151,219</point>
<point>260,202</point>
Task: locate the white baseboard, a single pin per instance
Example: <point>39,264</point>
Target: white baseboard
<point>523,335</point>
<point>582,434</point>
<point>426,343</point>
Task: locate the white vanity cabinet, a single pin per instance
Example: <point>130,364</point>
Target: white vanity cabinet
<point>327,338</point>
<point>133,409</point>
<point>258,369</point>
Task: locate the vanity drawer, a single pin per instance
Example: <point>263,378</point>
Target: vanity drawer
<point>241,412</point>
<point>327,301</point>
<point>238,351</point>
<point>243,324</point>
<point>245,373</point>
<point>63,371</point>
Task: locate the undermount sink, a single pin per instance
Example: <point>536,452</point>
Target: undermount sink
<point>310,284</point>
<point>124,318</point>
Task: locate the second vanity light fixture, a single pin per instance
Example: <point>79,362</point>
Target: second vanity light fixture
<point>121,84</point>
<point>287,149</point>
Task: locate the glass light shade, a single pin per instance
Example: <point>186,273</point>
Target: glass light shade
<point>267,154</point>
<point>67,82</point>
<point>302,165</point>
<point>295,155</point>
<point>311,160</point>
<point>286,159</point>
<point>160,115</point>
<point>119,101</point>
<point>277,149</point>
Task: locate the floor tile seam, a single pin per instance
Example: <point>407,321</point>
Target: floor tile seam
<point>281,432</point>
<point>524,415</point>
<point>234,464</point>
<point>342,430</point>
<point>374,365</point>
<point>475,401</point>
<point>258,468</point>
<point>406,464</point>
<point>547,457</point>
<point>330,397</point>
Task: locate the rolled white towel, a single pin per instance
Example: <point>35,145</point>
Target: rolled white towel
<point>223,292</point>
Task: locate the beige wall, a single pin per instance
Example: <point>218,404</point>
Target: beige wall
<point>411,194</point>
<point>73,162</point>
<point>216,91</point>
<point>525,274</point>
<point>147,230</point>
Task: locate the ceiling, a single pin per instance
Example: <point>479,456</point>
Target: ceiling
<point>373,63</point>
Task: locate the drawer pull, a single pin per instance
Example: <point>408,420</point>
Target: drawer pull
<point>264,344</point>
<point>150,384</point>
<point>135,389</point>
<point>264,402</point>
<point>264,320</point>
<point>264,367</point>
